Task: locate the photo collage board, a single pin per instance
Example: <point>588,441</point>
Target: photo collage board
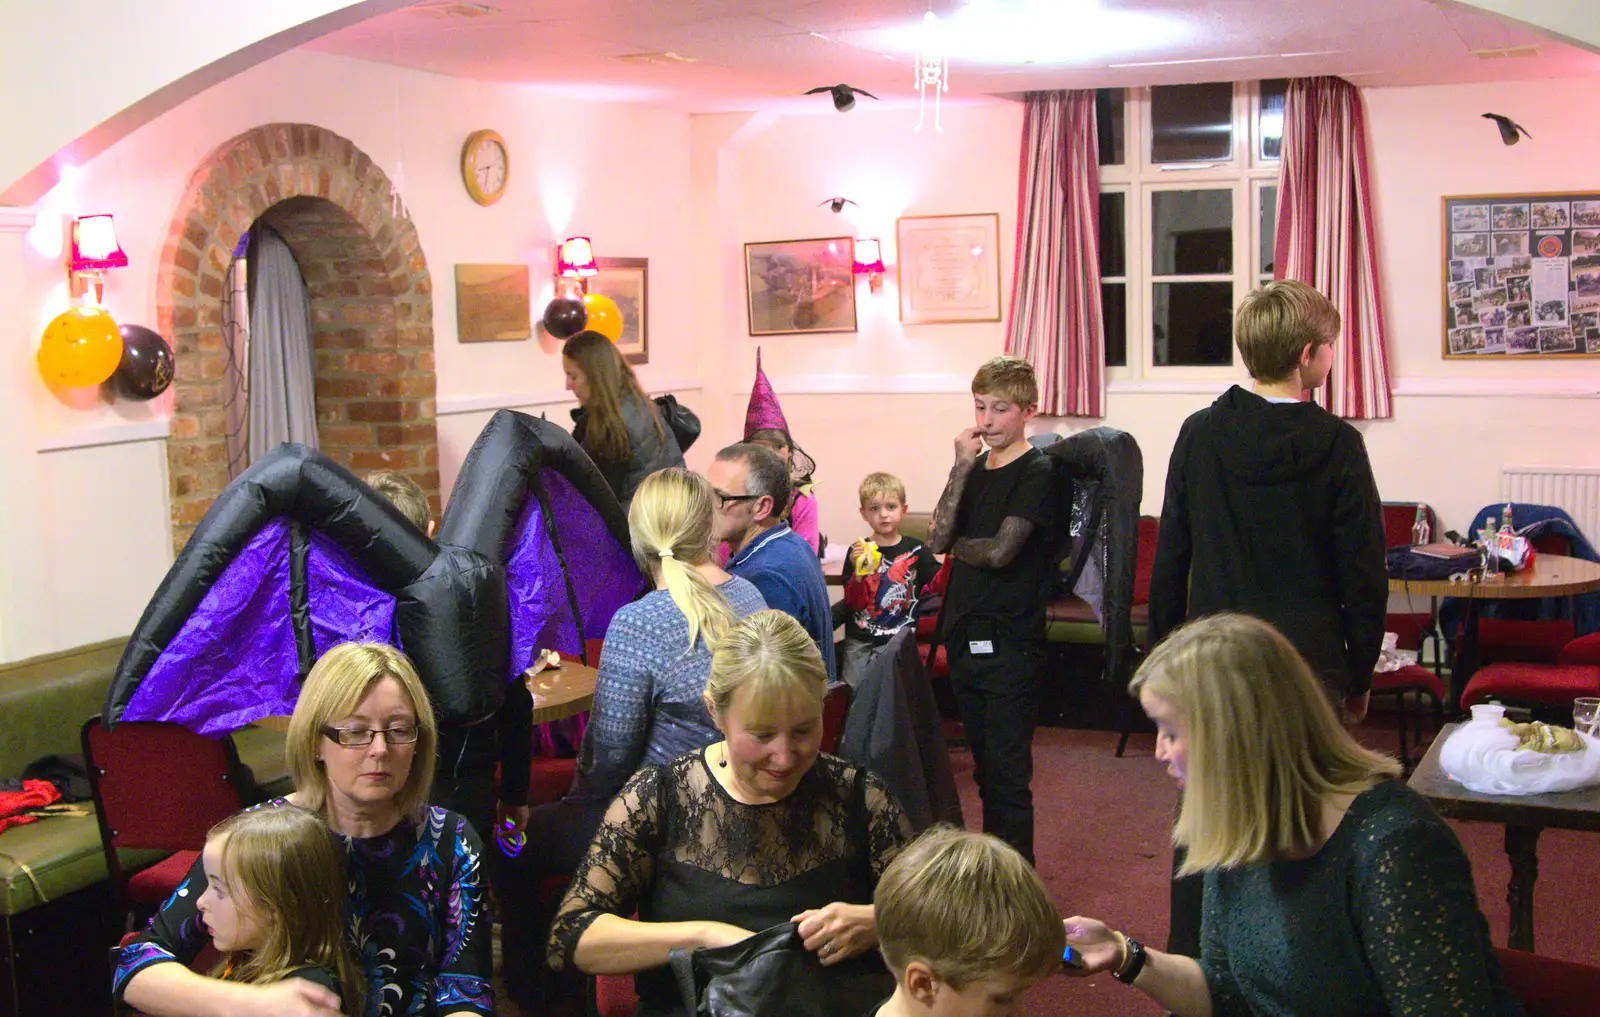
<point>1522,275</point>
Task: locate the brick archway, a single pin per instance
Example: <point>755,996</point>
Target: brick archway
<point>371,306</point>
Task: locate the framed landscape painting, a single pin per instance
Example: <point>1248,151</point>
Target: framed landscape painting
<point>627,281</point>
<point>798,286</point>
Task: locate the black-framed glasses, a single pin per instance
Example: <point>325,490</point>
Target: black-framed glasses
<point>724,499</point>
<point>359,737</point>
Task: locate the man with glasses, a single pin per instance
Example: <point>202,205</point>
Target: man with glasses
<point>751,486</point>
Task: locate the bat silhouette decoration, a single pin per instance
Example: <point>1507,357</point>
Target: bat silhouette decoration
<point>1509,129</point>
<point>844,96</point>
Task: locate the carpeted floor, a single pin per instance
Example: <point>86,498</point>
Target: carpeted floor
<point>1102,846</point>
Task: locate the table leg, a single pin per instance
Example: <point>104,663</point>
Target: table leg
<point>1464,655</point>
<point>1522,848</point>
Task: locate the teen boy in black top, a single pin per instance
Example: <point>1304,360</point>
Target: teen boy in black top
<point>1271,509</point>
<point>995,518</point>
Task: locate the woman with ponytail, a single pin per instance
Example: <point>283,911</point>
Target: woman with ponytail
<point>649,704</point>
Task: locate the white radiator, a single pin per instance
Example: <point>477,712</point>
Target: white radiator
<point>1573,488</point>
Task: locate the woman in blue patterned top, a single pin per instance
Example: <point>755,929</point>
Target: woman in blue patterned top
<point>649,703</point>
<point>1330,886</point>
<point>361,750</point>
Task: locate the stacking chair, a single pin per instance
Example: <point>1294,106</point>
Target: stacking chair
<point>835,707</point>
<point>163,787</point>
<point>1548,987</point>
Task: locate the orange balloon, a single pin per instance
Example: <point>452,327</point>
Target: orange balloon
<point>605,316</point>
<point>81,348</point>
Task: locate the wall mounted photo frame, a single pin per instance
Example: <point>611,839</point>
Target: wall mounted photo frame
<point>1521,276</point>
<point>801,286</point>
<point>492,303</point>
<point>627,281</point>
<point>948,268</point>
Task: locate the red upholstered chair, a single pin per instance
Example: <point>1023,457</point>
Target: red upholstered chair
<point>835,707</point>
<point>1533,642</point>
<point>1583,650</point>
<point>1144,567</point>
<point>1539,685</point>
<point>614,996</point>
<point>162,787</point>
<point>1550,987</point>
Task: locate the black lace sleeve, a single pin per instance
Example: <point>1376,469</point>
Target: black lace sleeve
<point>618,867</point>
<point>888,826</point>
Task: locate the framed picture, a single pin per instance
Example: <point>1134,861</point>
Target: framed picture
<point>801,286</point>
<point>627,281</point>
<point>948,268</point>
<point>492,303</point>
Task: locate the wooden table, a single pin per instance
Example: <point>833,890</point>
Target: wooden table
<point>557,694</point>
<point>1524,817</point>
<point>562,692</point>
<point>1552,575</point>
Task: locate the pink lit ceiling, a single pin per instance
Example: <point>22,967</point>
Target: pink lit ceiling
<point>760,54</point>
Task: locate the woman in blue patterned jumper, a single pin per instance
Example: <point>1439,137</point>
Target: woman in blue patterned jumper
<point>361,750</point>
<point>649,704</point>
<point>1330,886</point>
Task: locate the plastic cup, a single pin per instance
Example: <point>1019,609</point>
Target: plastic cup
<point>1586,715</point>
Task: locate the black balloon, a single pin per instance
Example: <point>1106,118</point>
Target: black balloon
<point>146,368</point>
<point>565,317</point>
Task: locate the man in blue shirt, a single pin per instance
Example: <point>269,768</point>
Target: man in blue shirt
<point>752,489</point>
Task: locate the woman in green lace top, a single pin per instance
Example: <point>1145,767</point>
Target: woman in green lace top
<point>1330,887</point>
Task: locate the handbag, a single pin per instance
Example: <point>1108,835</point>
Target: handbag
<point>774,975</point>
<point>680,419</point>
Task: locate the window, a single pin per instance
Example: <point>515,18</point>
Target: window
<point>1188,210</point>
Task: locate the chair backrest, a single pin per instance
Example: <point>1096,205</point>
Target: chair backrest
<point>1145,565</point>
<point>1400,516</point>
<point>159,785</point>
<point>916,525</point>
<point>835,707</point>
<point>1550,987</point>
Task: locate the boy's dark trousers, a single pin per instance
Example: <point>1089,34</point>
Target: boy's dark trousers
<point>998,696</point>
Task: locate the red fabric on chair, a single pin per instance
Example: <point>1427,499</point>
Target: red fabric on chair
<point>614,995</point>
<point>1583,650</point>
<point>1550,987</point>
<point>938,667</point>
<point>1144,565</point>
<point>549,778</point>
<point>1533,642</point>
<point>834,708</point>
<point>155,884</point>
<point>1548,684</point>
<point>1412,676</point>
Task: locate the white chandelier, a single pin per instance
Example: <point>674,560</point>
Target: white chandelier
<point>933,70</point>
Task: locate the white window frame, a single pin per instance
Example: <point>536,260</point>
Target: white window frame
<point>1245,174</point>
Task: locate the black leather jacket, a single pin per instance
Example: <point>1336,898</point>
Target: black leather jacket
<point>650,449</point>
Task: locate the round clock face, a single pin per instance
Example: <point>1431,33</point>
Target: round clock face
<point>485,166</point>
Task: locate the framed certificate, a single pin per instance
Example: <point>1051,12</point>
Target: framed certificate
<point>948,268</point>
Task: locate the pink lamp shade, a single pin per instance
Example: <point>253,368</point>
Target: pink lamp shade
<point>94,244</point>
<point>576,258</point>
<point>869,256</point>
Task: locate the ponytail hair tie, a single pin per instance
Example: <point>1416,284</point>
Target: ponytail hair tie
<point>666,553</point>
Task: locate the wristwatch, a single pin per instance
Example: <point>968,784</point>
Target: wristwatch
<point>1135,963</point>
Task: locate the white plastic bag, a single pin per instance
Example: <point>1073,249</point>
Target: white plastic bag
<point>1484,757</point>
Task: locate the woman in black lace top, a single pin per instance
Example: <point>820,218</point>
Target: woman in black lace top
<point>753,831</point>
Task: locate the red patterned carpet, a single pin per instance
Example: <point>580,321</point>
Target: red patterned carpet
<point>1103,849</point>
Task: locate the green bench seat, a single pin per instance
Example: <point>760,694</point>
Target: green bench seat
<point>1072,620</point>
<point>44,702</point>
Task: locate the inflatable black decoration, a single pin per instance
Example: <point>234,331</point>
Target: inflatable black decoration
<point>565,317</point>
<point>146,368</point>
<point>297,555</point>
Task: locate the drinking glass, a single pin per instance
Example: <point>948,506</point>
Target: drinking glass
<point>1586,715</point>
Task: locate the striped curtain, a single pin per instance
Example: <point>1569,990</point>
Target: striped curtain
<point>1326,237</point>
<point>1055,296</point>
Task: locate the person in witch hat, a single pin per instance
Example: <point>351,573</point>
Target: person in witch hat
<point>764,424</point>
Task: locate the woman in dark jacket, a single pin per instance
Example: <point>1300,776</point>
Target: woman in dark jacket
<point>615,422</point>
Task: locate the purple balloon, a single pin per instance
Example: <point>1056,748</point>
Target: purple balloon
<point>146,368</point>
<point>565,317</point>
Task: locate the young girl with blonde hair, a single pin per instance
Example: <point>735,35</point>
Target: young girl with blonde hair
<point>647,701</point>
<point>273,902</point>
<point>1330,886</point>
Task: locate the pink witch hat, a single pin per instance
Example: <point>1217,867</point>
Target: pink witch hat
<point>763,411</point>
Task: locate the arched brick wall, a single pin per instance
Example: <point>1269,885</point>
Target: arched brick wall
<point>371,306</point>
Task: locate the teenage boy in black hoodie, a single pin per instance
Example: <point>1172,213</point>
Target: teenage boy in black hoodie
<point>1271,510</point>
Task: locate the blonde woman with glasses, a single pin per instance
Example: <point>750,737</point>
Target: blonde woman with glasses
<point>360,747</point>
<point>1330,886</point>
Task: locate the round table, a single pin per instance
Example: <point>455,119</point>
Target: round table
<point>1552,575</point>
<point>562,692</point>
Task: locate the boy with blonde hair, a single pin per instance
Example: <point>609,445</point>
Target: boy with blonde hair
<point>404,494</point>
<point>995,518</point>
<point>1271,510</point>
<point>965,925</point>
<point>884,576</point>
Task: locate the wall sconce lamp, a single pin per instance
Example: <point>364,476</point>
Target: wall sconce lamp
<point>94,249</point>
<point>869,262</point>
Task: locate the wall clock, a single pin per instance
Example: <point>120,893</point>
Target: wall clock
<point>485,166</point>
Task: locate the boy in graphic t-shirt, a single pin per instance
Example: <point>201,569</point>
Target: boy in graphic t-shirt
<point>996,519</point>
<point>884,575</point>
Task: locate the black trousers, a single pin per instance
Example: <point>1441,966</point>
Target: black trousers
<point>559,833</point>
<point>997,694</point>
